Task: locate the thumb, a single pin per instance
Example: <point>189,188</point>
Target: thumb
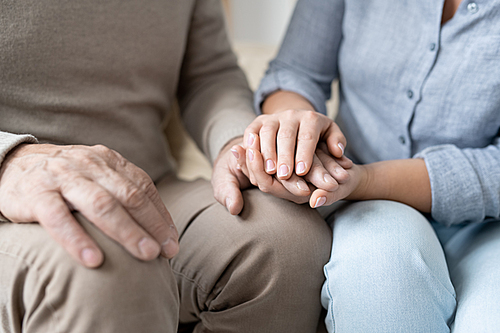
<point>227,183</point>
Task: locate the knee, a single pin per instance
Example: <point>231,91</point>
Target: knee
<point>121,283</point>
<point>383,237</point>
<point>293,235</point>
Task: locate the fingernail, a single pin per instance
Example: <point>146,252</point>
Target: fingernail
<point>341,146</point>
<point>90,257</point>
<point>329,179</point>
<point>228,203</point>
<point>320,202</point>
<point>283,171</point>
<point>251,139</point>
<point>270,166</point>
<point>301,167</point>
<point>301,185</point>
<point>250,155</point>
<point>235,153</point>
<point>149,248</point>
<point>170,247</point>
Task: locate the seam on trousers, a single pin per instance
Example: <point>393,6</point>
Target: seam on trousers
<point>49,305</point>
<point>331,299</point>
<point>198,213</point>
<point>176,272</point>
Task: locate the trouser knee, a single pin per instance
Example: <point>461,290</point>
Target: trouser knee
<point>60,295</point>
<point>234,271</point>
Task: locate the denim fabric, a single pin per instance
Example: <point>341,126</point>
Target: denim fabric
<point>409,87</point>
<point>388,272</point>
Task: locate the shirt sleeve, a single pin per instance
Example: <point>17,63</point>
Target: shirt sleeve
<point>465,183</point>
<point>214,96</point>
<point>307,60</point>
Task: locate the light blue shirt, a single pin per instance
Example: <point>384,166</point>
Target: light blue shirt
<point>409,87</point>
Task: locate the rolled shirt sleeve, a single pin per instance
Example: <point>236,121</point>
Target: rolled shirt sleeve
<point>465,183</point>
<point>307,61</point>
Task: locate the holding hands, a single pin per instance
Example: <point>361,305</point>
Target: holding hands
<point>298,155</point>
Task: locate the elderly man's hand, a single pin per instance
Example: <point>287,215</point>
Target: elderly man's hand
<point>44,183</point>
<point>228,180</point>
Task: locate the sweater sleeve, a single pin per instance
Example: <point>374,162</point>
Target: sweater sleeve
<point>465,183</point>
<point>214,96</point>
<point>307,60</point>
<point>9,141</point>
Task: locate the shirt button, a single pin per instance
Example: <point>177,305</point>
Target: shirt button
<point>432,47</point>
<point>409,93</point>
<point>472,7</point>
<point>402,139</point>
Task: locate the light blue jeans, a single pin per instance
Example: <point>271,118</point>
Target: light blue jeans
<point>391,270</point>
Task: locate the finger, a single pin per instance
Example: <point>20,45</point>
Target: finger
<point>135,197</point>
<point>320,177</point>
<point>333,167</point>
<point>335,140</point>
<point>286,141</point>
<point>158,223</point>
<point>53,214</point>
<point>144,182</point>
<point>227,187</point>
<point>308,135</point>
<point>108,214</point>
<point>266,182</point>
<point>321,198</point>
<point>296,186</point>
<point>267,137</point>
<point>239,154</point>
<point>252,130</point>
<point>343,161</point>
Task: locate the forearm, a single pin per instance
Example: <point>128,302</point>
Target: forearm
<point>282,100</point>
<point>405,181</point>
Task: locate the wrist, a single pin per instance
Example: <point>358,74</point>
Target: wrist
<point>365,179</point>
<point>282,100</point>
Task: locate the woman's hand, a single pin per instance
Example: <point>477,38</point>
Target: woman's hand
<point>296,189</point>
<point>289,138</point>
<point>351,187</point>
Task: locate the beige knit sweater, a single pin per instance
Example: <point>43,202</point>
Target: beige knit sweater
<point>108,72</point>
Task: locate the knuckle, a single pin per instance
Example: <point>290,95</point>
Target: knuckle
<point>264,188</point>
<point>133,197</point>
<point>305,136</point>
<point>148,187</point>
<point>267,129</point>
<point>285,133</point>
<point>311,115</point>
<point>103,204</point>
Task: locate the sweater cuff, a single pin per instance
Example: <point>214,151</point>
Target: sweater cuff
<point>9,141</point>
<point>227,125</point>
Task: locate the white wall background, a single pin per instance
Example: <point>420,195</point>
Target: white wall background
<point>260,22</point>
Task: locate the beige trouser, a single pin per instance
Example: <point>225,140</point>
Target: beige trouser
<point>257,272</point>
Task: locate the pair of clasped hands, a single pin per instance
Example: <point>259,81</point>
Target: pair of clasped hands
<point>296,155</point>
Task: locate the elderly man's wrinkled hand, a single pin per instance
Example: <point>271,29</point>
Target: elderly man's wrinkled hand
<point>45,183</point>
